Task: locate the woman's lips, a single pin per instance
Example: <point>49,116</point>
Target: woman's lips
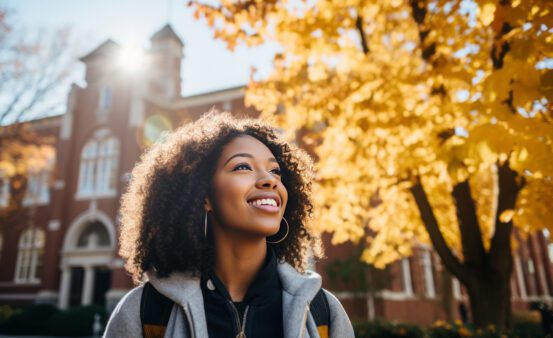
<point>265,207</point>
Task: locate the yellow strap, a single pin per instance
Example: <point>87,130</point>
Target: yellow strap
<point>323,331</point>
<point>154,331</point>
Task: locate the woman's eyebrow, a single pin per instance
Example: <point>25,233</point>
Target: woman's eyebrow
<point>271,159</point>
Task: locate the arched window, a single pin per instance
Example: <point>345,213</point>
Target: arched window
<point>86,172</point>
<point>30,256</point>
<point>94,235</point>
<point>98,169</point>
<point>38,187</point>
<point>107,165</point>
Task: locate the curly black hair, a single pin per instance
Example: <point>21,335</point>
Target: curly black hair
<point>162,211</point>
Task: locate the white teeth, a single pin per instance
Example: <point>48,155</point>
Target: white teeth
<point>264,201</point>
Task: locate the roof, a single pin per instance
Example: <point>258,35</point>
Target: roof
<point>166,32</point>
<point>108,48</point>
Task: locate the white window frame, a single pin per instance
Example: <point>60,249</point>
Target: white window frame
<point>406,277</point>
<point>406,291</point>
<point>456,286</point>
<point>428,273</point>
<point>107,163</point>
<point>38,188</point>
<point>87,169</point>
<point>106,98</point>
<point>4,190</point>
<point>98,168</point>
<point>30,256</point>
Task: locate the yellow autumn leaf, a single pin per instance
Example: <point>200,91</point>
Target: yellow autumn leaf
<point>487,13</point>
<point>506,216</point>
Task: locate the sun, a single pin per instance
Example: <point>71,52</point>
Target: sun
<point>132,59</point>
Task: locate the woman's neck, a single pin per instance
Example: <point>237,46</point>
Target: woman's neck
<point>237,263</point>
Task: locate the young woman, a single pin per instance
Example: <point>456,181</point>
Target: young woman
<point>215,220</point>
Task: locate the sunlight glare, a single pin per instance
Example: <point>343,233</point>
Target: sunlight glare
<point>132,59</point>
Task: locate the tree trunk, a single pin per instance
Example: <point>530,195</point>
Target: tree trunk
<point>490,300</point>
<point>485,273</point>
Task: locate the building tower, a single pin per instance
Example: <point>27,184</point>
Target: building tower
<point>166,54</point>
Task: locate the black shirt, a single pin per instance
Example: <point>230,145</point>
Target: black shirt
<point>263,302</point>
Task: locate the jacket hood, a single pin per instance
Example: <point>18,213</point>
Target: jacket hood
<point>182,287</point>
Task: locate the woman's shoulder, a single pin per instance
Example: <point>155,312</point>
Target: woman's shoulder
<point>124,320</point>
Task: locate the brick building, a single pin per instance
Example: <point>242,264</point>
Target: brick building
<point>60,246</point>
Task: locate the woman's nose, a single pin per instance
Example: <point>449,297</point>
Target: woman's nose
<point>267,180</point>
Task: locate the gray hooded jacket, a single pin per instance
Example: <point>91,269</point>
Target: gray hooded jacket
<point>188,320</point>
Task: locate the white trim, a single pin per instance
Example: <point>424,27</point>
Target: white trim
<point>394,295</point>
<point>456,286</point>
<point>78,224</point>
<point>136,116</point>
<point>47,293</point>
<point>520,278</point>
<point>11,284</point>
<point>4,190</point>
<point>428,273</point>
<point>17,296</point>
<point>65,285</point>
<point>88,285</point>
<point>349,294</point>
<point>383,294</point>
<point>58,185</point>
<point>54,225</point>
<point>67,119</point>
<point>545,299</point>
<point>407,282</point>
<point>47,296</point>
<point>371,312</point>
<point>117,263</point>
<point>80,196</point>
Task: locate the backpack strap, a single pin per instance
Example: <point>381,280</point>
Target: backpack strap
<point>320,310</point>
<point>155,310</point>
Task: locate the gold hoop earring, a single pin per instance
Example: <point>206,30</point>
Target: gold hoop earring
<point>205,225</point>
<point>285,235</point>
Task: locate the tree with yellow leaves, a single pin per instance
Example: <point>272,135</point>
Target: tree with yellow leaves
<point>431,121</point>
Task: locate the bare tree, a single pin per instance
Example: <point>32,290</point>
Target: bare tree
<point>35,66</point>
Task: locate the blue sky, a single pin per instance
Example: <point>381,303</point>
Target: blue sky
<point>207,64</point>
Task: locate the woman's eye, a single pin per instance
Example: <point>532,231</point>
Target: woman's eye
<point>277,171</point>
<point>241,166</point>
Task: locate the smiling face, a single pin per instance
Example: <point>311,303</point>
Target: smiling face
<point>249,197</point>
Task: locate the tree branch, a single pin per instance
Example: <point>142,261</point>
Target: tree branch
<point>431,224</point>
<point>471,235</point>
<point>359,26</point>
